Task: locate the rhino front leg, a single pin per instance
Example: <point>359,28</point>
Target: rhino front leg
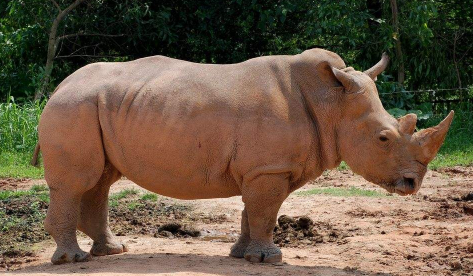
<point>239,248</point>
<point>93,220</point>
<point>263,197</point>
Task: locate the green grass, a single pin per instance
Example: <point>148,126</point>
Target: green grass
<point>150,197</point>
<point>17,165</point>
<point>8,194</point>
<point>123,194</point>
<point>134,205</point>
<point>343,166</point>
<point>18,137</point>
<point>40,191</point>
<point>114,198</point>
<point>332,191</point>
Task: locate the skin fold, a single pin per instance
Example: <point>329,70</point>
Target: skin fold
<point>260,129</point>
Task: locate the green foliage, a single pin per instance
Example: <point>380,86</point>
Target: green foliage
<point>332,191</point>
<point>436,36</point>
<point>134,205</point>
<point>150,197</point>
<point>17,164</point>
<point>123,194</point>
<point>18,125</point>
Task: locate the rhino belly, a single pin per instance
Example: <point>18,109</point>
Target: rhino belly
<point>170,153</point>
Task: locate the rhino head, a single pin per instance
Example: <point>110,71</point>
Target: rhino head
<point>382,149</point>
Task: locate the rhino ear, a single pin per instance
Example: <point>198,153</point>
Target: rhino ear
<point>344,78</point>
<point>351,83</point>
<point>407,124</point>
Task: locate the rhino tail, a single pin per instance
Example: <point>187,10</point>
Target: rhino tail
<point>34,160</point>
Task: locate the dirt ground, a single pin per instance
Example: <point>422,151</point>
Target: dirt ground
<point>430,233</point>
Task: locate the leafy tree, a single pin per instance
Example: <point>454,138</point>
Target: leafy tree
<point>435,37</point>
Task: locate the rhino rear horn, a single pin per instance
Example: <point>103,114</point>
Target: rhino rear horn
<point>431,139</point>
<point>379,67</point>
<point>407,123</point>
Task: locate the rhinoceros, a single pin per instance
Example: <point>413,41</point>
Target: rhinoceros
<point>259,129</point>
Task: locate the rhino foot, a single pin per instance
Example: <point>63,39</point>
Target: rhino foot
<point>239,248</point>
<point>102,249</point>
<point>263,253</point>
<point>70,256</point>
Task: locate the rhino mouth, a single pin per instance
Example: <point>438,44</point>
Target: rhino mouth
<point>407,185</point>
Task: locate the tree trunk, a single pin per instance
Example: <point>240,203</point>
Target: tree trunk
<point>52,47</point>
<point>455,62</point>
<point>401,70</point>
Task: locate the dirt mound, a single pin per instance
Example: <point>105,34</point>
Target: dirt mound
<point>178,230</point>
<point>296,231</point>
<point>146,217</point>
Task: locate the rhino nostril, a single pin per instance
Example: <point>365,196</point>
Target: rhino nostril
<point>410,182</point>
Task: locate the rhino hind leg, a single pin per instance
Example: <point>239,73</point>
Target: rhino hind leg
<point>61,221</point>
<point>239,248</point>
<point>74,159</point>
<point>263,197</point>
<point>93,219</point>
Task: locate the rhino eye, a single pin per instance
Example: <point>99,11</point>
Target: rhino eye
<point>383,138</point>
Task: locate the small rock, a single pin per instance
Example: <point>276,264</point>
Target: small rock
<point>456,265</point>
<point>469,248</point>
<point>166,234</point>
<point>383,232</point>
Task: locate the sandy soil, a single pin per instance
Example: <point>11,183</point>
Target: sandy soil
<point>430,233</point>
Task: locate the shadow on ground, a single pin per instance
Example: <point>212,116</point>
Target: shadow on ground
<point>182,264</point>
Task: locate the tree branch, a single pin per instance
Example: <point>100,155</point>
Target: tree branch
<point>84,34</point>
<point>57,6</point>
<point>93,56</point>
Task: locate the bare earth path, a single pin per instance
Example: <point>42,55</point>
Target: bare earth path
<point>430,233</point>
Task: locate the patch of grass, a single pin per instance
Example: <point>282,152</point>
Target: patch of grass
<point>123,194</point>
<point>150,197</point>
<point>332,191</point>
<point>134,205</point>
<point>39,188</point>
<point>343,166</point>
<point>18,125</point>
<point>9,194</point>
<point>17,165</point>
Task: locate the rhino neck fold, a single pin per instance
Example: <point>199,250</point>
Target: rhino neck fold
<point>322,104</point>
<point>323,111</point>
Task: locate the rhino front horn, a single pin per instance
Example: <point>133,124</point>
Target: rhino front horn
<point>431,139</point>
